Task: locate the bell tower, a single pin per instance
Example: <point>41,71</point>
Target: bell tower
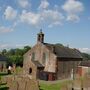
<point>40,37</point>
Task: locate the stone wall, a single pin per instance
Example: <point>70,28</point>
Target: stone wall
<point>27,66</point>
<point>39,49</point>
<point>22,83</point>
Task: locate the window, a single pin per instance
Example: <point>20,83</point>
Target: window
<point>33,56</point>
<point>30,70</point>
<point>44,58</point>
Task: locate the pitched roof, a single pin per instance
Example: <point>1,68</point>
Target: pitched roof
<point>38,64</point>
<point>3,58</point>
<point>62,51</point>
<point>85,63</point>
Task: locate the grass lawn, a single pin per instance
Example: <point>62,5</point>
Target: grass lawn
<point>43,85</point>
<point>50,86</point>
<point>3,85</point>
<point>3,74</point>
<point>53,86</point>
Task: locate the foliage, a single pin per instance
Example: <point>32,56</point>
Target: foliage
<point>15,59</point>
<point>26,48</point>
<point>86,56</point>
<point>3,87</point>
<point>59,44</point>
<point>3,74</point>
<point>4,51</point>
<point>15,56</point>
<point>18,70</point>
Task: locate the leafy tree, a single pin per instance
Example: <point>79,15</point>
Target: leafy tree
<point>18,52</point>
<point>15,56</point>
<point>4,52</point>
<point>86,56</point>
<point>26,48</point>
<point>11,52</point>
<point>14,59</point>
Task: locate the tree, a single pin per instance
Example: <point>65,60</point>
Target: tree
<point>14,59</point>
<point>15,56</point>
<point>86,56</point>
<point>26,48</point>
<point>4,52</point>
<point>11,52</point>
<point>18,52</point>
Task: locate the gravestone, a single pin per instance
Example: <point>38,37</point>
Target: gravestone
<point>22,83</point>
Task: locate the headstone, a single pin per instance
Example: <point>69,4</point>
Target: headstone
<point>22,83</point>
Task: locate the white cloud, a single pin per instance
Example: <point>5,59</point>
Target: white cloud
<point>85,50</point>
<point>53,17</point>
<point>49,17</point>
<point>44,4</point>
<point>73,18</point>
<point>73,8</point>
<point>24,3</point>
<point>21,45</point>
<point>5,29</point>
<point>8,45</point>
<point>10,13</point>
<point>2,46</point>
<point>30,18</point>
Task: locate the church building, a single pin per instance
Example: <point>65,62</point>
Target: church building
<point>50,61</point>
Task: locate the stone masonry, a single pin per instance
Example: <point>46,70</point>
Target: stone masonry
<point>22,83</point>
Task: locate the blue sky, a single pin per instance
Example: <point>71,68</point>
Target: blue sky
<point>63,21</point>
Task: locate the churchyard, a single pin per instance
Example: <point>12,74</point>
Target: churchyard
<point>66,84</point>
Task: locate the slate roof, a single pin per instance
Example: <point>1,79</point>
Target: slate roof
<point>3,58</point>
<point>85,63</point>
<point>37,64</point>
<point>62,51</point>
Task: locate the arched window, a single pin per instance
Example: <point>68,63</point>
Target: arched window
<point>30,70</point>
<point>33,56</point>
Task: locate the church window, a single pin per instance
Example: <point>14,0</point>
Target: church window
<point>44,58</point>
<point>33,56</point>
<point>30,70</point>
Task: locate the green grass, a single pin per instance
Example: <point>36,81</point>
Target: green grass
<point>3,86</point>
<point>43,85</point>
<point>55,86</point>
<point>3,73</point>
<point>50,86</point>
<point>18,70</point>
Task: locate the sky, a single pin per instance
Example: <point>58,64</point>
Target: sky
<point>62,21</point>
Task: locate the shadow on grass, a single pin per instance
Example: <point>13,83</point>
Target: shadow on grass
<point>4,88</point>
<point>3,74</point>
<point>3,84</point>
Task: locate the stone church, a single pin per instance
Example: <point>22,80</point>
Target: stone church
<point>50,61</point>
